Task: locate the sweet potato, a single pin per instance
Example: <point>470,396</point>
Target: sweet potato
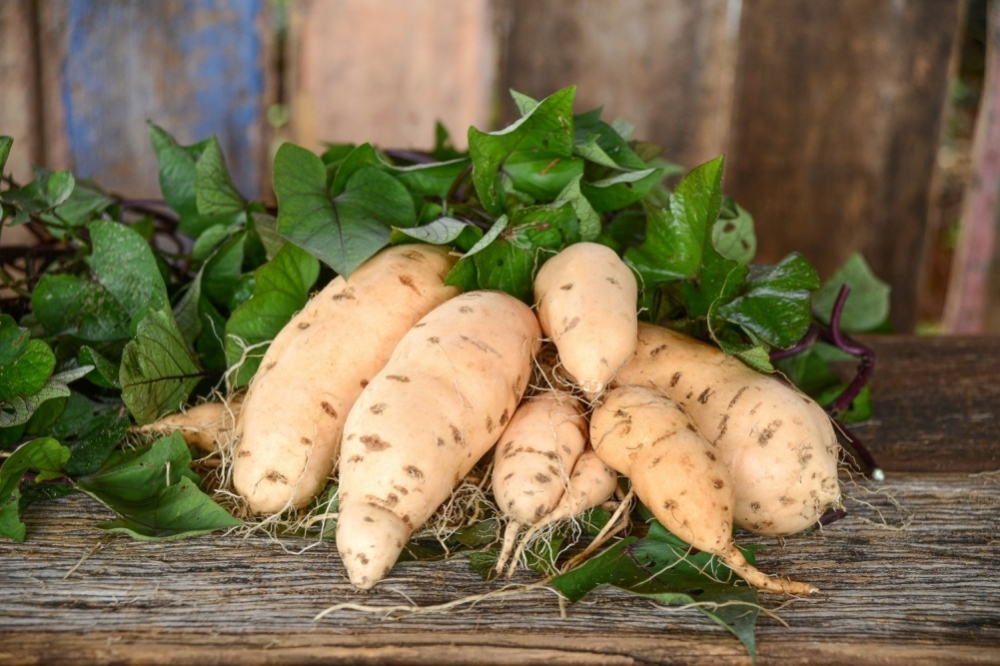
<point>209,426</point>
<point>318,365</point>
<point>778,444</point>
<point>534,459</point>
<point>586,299</point>
<point>424,421</point>
<point>676,474</point>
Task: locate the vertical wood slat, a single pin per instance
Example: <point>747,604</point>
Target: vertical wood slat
<point>383,71</point>
<point>195,67</point>
<point>835,128</point>
<point>18,87</point>
<point>975,277</point>
<point>665,65</point>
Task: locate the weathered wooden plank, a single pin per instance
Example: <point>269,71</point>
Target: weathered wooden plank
<point>835,129</point>
<point>921,590</point>
<point>971,289</point>
<point>19,113</point>
<point>383,72</point>
<point>936,404</point>
<point>667,66</point>
<point>196,67</point>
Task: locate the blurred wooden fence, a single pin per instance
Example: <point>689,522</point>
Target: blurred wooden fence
<point>829,111</point>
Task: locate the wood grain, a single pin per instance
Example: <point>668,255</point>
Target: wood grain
<point>665,65</point>
<point>971,288</point>
<point>18,87</point>
<point>196,68</point>
<point>936,404</point>
<point>835,129</point>
<point>383,71</point>
<point>920,594</point>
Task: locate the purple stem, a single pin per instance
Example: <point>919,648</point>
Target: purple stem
<point>805,343</point>
<point>830,516</point>
<point>844,343</point>
<point>859,448</point>
<point>411,156</point>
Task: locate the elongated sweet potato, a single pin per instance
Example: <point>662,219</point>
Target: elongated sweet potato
<point>317,366</point>
<point>209,426</point>
<point>778,444</point>
<point>674,471</point>
<point>586,299</point>
<point>436,408</point>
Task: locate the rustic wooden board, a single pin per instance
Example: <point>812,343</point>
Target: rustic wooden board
<point>383,71</point>
<point>937,404</point>
<point>18,87</point>
<point>835,129</point>
<point>922,593</point>
<point>667,66</point>
<point>197,68</point>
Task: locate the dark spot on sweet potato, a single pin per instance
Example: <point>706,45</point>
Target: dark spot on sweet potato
<point>489,424</point>
<point>710,456</point>
<point>401,489</point>
<point>420,324</point>
<point>465,309</point>
<point>456,435</point>
<point>408,281</point>
<point>768,432</point>
<point>507,448</point>
<point>345,295</point>
<point>243,454</point>
<point>567,286</point>
<point>369,519</point>
<point>509,477</point>
<point>571,325</point>
<point>755,506</point>
<point>705,395</point>
<point>361,558</point>
<point>413,255</point>
<point>375,443</point>
<point>551,455</point>
<point>441,442</point>
<point>670,505</point>
<point>276,477</point>
<point>364,383</point>
<point>613,281</point>
<point>482,346</point>
<point>355,459</point>
<point>755,408</point>
<point>504,418</point>
<point>540,511</point>
<point>398,378</point>
<point>786,500</point>
<point>328,408</point>
<point>676,378</point>
<point>718,484</point>
<point>736,397</point>
<point>270,365</point>
<point>542,478</point>
<point>303,325</point>
<point>378,408</point>
<point>656,461</point>
<point>688,396</point>
<point>434,340</point>
<point>306,441</point>
<point>690,426</point>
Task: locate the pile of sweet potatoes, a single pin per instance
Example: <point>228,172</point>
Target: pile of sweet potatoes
<point>399,385</point>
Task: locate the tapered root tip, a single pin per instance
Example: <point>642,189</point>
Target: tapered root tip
<point>735,561</point>
<point>369,539</point>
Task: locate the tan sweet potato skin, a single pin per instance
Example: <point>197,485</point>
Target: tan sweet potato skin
<point>436,408</point>
<point>318,365</point>
<point>647,437</point>
<point>209,426</point>
<point>536,455</point>
<point>585,297</point>
<point>778,444</point>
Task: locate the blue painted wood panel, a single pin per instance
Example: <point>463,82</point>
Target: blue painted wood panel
<point>195,67</point>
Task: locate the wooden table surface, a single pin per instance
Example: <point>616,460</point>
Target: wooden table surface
<point>909,577</point>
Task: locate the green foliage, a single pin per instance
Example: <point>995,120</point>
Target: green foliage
<point>867,306</point>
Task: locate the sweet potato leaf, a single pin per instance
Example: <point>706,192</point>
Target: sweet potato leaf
<point>589,220</point>
<point>545,131</point>
<point>105,373</point>
<point>214,191</point>
<point>154,493</point>
<point>59,187</point>
<point>867,306</point>
<point>77,307</point>
<point>733,234</point>
<point>600,143</point>
<point>45,457</point>
<point>19,409</point>
<point>124,264</point>
<point>343,230</point>
<point>442,231</point>
<point>660,568</point>
<point>27,373</point>
<point>5,145</point>
<point>281,288</point>
<point>158,371</point>
<point>620,190</point>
